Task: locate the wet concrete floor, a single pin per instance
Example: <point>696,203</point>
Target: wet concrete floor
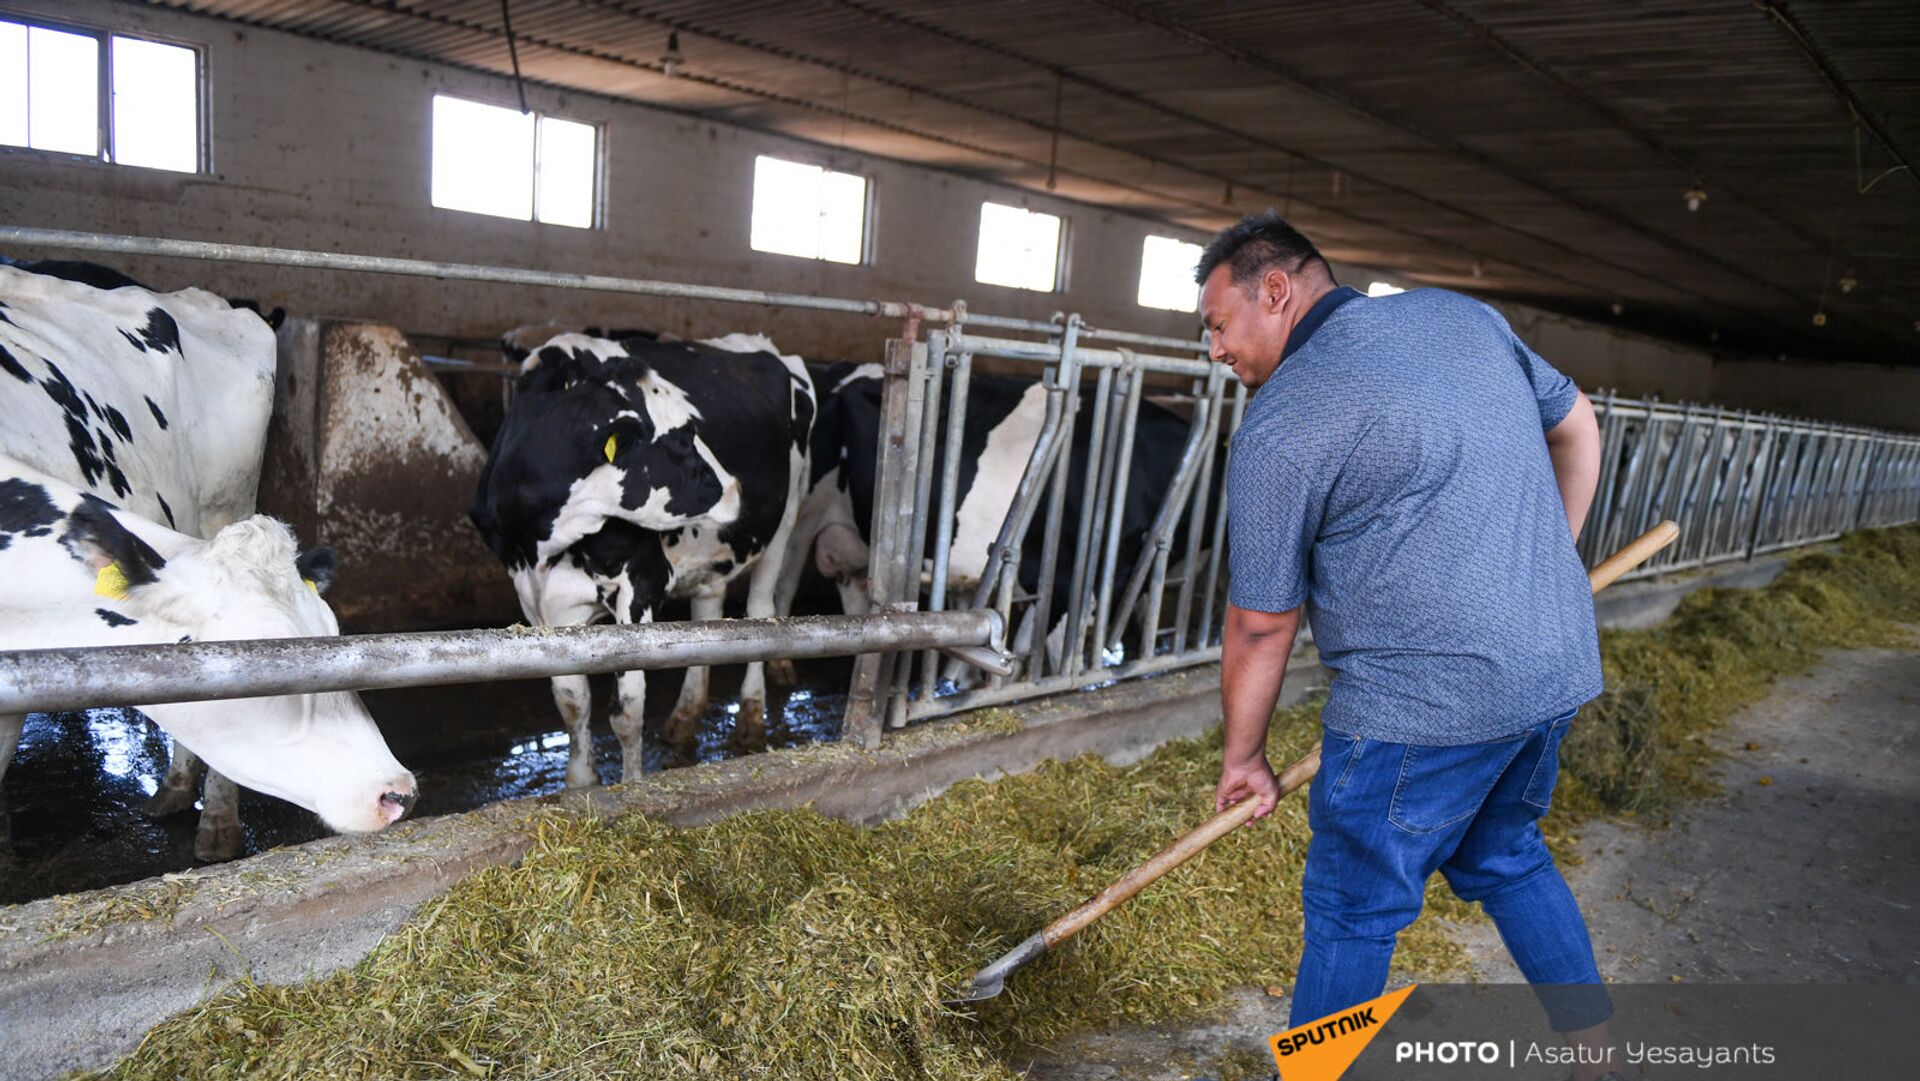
<point>70,803</point>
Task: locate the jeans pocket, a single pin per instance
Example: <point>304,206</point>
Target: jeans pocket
<point>1444,786</point>
<point>1339,754</point>
<point>1546,772</point>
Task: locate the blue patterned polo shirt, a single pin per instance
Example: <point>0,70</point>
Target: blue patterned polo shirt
<point>1392,476</point>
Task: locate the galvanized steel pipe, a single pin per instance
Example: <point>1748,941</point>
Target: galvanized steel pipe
<point>33,681</point>
<point>425,268</point>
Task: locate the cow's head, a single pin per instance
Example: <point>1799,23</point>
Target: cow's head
<point>594,435</point>
<point>320,751</point>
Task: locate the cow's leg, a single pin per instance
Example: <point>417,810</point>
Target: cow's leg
<point>793,564</point>
<point>574,699</point>
<point>793,561</point>
<point>565,596</point>
<point>629,716</point>
<point>854,598</point>
<point>692,704</point>
<point>180,787</point>
<point>218,838</point>
<point>10,725</point>
<point>761,580</point>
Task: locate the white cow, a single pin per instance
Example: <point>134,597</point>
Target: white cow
<point>79,573</point>
<point>156,402</point>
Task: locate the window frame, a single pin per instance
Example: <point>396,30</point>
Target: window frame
<point>103,122</point>
<point>1062,249</point>
<point>868,216</point>
<point>598,220</point>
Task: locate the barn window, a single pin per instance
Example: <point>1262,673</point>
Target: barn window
<point>1018,248</point>
<point>488,159</point>
<point>1166,274</point>
<point>808,211</point>
<point>145,111</point>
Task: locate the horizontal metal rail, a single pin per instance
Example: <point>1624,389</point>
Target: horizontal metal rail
<point>426,268</point>
<point>44,680</point>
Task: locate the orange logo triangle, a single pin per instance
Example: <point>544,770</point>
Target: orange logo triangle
<point>1322,1050</point>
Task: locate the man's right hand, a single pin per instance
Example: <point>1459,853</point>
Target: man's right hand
<point>1243,779</point>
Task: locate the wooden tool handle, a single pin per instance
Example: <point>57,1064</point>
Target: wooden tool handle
<point>1295,776</point>
<point>1634,554</point>
<point>1175,854</point>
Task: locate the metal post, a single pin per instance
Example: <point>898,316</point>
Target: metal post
<point>1133,382</point>
<point>865,707</point>
<point>949,490</point>
<point>1218,549</point>
<point>1056,499</point>
<point>1197,515</point>
<point>1073,653</point>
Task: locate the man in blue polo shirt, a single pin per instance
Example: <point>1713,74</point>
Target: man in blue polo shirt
<point>1414,476</point>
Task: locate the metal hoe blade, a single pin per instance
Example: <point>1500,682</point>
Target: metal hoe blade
<point>991,980</point>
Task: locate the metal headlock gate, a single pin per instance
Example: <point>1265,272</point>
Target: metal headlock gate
<point>1740,484</point>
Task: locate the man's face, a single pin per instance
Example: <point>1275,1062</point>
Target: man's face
<point>1248,323</point>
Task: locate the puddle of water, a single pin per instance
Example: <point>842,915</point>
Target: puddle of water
<point>70,803</point>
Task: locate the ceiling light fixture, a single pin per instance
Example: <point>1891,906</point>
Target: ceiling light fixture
<point>1695,196</point>
<point>1618,308</point>
<point>673,59</point>
<point>1819,319</point>
<point>1848,282</point>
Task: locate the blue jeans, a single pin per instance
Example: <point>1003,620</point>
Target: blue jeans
<point>1385,816</point>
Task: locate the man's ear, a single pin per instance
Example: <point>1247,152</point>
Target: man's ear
<point>121,560</point>
<point>317,567</point>
<point>1276,286</point>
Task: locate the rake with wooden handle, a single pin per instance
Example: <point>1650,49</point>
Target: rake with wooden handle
<point>990,980</point>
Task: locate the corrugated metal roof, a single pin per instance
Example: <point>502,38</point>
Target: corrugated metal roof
<point>1536,151</point>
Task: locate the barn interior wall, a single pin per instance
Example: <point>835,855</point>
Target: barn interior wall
<point>316,145</point>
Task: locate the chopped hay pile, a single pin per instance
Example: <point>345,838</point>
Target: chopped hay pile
<point>783,944</point>
<point>1640,748</point>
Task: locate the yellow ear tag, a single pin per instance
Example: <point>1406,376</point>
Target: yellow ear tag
<point>310,585</point>
<point>609,447</point>
<point>110,582</point>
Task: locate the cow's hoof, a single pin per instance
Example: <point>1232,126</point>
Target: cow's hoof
<point>781,674</point>
<point>752,720</point>
<point>632,769</point>
<point>582,775</point>
<point>217,842</point>
<point>683,726</point>
<point>168,801</point>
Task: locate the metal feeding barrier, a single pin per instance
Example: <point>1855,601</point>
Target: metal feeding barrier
<point>1131,602</point>
<point>1740,484</point>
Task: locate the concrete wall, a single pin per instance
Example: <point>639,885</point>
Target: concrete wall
<point>326,146</point>
<point>1856,393</point>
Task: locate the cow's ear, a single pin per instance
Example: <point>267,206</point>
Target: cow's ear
<point>317,567</point>
<point>120,560</point>
<point>616,441</point>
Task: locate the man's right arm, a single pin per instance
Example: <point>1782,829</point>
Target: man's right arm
<point>1254,650</point>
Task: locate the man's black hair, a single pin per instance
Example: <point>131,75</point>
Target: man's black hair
<point>1253,244</point>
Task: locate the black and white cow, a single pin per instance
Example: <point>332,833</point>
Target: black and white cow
<point>156,402</point>
<point>1003,422</point>
<point>630,472</point>
<point>79,572</point>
